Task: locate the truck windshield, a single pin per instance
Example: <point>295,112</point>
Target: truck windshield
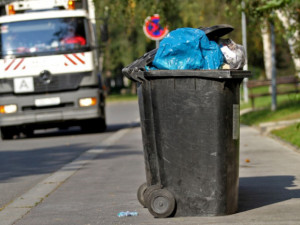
<point>45,36</point>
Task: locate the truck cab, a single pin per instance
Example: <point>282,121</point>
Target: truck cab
<point>49,67</point>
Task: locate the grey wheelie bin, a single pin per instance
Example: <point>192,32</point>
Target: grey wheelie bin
<point>190,130</point>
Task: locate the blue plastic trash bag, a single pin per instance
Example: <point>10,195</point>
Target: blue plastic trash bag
<point>187,49</point>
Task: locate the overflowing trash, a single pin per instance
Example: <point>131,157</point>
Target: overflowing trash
<point>187,48</point>
<point>127,213</point>
<point>193,49</point>
<point>234,54</point>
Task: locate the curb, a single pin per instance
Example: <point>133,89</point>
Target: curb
<point>285,143</point>
<point>266,128</point>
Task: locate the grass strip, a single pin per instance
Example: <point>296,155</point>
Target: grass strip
<point>285,111</point>
<point>289,134</point>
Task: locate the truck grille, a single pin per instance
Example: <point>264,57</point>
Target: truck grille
<point>62,82</point>
<point>58,83</point>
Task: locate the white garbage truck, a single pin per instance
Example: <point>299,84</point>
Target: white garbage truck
<point>49,67</point>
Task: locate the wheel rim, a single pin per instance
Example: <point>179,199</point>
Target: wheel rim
<point>148,192</point>
<point>160,204</point>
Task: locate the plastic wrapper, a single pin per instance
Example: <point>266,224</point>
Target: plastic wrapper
<point>187,48</point>
<point>234,54</point>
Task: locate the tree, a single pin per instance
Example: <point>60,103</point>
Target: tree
<point>293,36</point>
<point>265,11</point>
<point>266,39</point>
<point>288,13</point>
<point>127,41</point>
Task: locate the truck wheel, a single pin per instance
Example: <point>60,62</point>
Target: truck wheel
<point>102,125</point>
<point>95,125</point>
<point>161,203</point>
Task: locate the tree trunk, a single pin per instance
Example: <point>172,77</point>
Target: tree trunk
<point>287,23</point>
<point>266,38</point>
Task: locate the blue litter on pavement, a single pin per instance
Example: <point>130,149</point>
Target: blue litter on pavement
<point>127,213</point>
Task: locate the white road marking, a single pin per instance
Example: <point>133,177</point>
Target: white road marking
<point>23,204</point>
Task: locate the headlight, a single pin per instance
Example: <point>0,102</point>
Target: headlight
<point>84,102</point>
<point>4,109</point>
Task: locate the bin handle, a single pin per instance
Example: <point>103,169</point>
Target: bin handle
<point>135,74</point>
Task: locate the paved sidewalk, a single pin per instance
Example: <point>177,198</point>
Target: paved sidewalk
<point>269,188</point>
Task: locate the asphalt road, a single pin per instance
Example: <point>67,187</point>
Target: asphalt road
<point>25,162</point>
<point>102,179</point>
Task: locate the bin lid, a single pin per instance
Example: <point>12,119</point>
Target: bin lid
<point>217,30</point>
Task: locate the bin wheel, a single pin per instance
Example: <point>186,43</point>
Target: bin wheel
<point>148,191</point>
<point>161,203</point>
<point>140,194</point>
